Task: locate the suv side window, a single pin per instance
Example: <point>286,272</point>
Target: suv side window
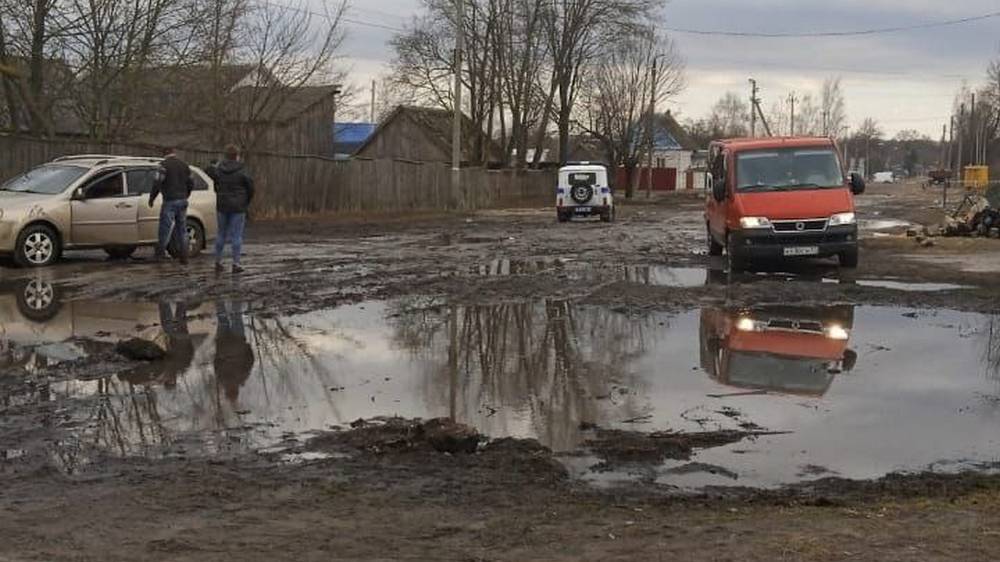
<point>107,186</point>
<point>199,181</point>
<point>140,182</point>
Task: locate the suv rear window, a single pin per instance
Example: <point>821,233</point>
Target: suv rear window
<point>588,179</point>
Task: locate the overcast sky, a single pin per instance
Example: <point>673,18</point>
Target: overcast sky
<point>907,80</point>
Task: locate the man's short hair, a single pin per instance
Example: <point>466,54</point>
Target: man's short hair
<point>232,151</point>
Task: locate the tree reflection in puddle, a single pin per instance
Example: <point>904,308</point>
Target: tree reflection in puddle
<point>845,382</point>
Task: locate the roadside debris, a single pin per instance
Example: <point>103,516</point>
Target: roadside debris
<point>977,215</point>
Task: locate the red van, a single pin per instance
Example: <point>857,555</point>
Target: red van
<point>779,198</point>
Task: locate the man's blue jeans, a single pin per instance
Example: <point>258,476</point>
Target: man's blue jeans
<point>231,226</point>
<point>173,214</point>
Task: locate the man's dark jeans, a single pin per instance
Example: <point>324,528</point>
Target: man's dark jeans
<point>173,214</point>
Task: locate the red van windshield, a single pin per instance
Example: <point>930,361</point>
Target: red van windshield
<point>787,169</point>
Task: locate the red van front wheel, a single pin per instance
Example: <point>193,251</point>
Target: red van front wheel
<point>849,259</point>
<point>737,260</point>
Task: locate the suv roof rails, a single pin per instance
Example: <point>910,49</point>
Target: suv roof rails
<point>82,157</point>
<point>103,157</point>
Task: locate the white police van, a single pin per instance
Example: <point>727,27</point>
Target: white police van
<point>584,191</point>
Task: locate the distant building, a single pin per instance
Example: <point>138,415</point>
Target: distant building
<point>349,137</point>
<point>203,107</point>
<point>424,134</point>
<point>672,158</point>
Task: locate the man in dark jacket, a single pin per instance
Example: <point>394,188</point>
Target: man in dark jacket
<point>175,183</point>
<point>233,194</point>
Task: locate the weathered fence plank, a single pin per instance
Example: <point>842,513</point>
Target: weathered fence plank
<point>292,185</point>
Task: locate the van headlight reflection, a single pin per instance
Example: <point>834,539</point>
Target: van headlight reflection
<point>746,325</point>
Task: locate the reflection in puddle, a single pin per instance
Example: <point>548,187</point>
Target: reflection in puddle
<point>910,287</point>
<point>861,391</point>
<point>795,350</point>
<point>882,224</point>
<point>663,276</point>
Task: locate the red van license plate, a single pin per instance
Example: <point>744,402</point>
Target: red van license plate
<point>802,251</point>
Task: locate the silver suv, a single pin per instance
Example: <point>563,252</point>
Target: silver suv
<point>94,201</point>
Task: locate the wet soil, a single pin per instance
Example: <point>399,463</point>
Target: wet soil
<point>602,409</point>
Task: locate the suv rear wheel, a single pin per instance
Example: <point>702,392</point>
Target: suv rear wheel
<point>196,241</point>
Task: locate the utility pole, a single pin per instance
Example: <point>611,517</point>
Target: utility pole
<point>456,130</point>
<point>826,129</point>
<point>975,132</point>
<point>944,138</point>
<point>949,162</point>
<point>791,100</point>
<point>372,117</point>
<point>960,164</point>
<point>756,111</point>
<point>650,134</point>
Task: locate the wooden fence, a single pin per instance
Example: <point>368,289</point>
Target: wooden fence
<point>289,185</point>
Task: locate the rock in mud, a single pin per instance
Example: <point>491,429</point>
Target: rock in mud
<point>446,436</point>
<point>138,349</point>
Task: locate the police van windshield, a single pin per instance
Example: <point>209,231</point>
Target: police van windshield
<point>788,169</point>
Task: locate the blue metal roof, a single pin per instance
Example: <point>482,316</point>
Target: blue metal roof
<point>352,133</point>
<point>663,140</point>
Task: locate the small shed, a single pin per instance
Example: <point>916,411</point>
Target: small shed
<point>424,134</point>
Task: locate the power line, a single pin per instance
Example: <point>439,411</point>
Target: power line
<point>345,19</point>
<point>800,35</point>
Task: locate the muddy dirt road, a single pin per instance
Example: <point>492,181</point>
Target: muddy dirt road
<point>615,395</point>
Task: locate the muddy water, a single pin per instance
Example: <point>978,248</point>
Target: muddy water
<point>857,391</point>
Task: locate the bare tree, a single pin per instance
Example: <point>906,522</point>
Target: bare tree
<point>867,135</point>
<point>114,42</point>
<point>577,31</point>
<point>833,106</point>
<point>618,92</point>
<point>289,49</point>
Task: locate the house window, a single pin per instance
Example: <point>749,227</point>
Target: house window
<point>661,162</point>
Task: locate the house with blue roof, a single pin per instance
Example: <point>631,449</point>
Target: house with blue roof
<point>349,137</point>
<point>673,150</point>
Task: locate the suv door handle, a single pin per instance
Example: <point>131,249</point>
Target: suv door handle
<point>123,206</point>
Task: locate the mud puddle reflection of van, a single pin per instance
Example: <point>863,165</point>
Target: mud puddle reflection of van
<point>786,349</point>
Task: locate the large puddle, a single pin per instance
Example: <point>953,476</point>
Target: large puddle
<point>856,392</point>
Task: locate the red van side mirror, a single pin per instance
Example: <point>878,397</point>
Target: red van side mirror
<point>857,183</point>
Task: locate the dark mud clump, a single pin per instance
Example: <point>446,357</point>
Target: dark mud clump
<point>138,349</point>
<point>388,435</point>
<point>618,448</point>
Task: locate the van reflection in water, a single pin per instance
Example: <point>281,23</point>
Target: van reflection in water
<point>788,349</point>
